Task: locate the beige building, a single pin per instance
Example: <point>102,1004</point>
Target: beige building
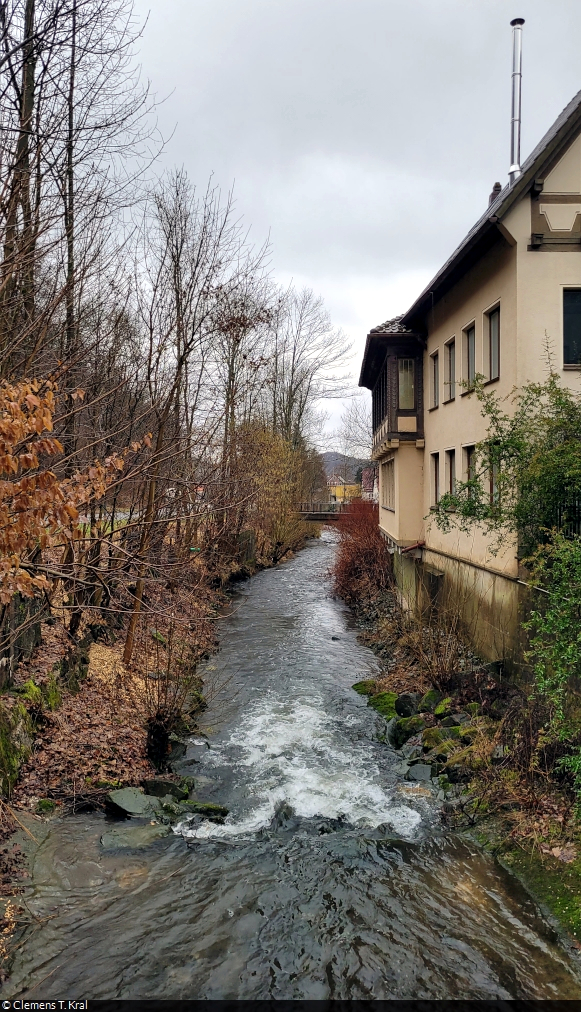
<point>512,284</point>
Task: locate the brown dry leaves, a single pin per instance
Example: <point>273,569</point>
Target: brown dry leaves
<point>95,736</point>
<point>37,509</point>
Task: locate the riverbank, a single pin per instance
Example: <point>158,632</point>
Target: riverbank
<point>329,877</point>
<point>76,722</point>
<point>462,739</point>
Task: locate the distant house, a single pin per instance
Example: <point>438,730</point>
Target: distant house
<point>515,278</point>
<point>370,484</point>
<point>340,491</point>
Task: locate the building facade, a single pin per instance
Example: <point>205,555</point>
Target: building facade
<point>510,293</point>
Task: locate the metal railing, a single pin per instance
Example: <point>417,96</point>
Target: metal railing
<point>322,507</point>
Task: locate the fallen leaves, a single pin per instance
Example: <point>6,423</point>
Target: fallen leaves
<point>566,853</point>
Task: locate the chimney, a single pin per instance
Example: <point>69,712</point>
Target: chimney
<point>495,191</point>
<point>514,171</point>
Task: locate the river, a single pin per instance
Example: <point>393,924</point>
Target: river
<point>331,878</point>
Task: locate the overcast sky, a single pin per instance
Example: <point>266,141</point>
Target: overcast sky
<point>363,135</point>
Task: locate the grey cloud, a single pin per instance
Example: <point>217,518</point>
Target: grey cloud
<point>365,134</point>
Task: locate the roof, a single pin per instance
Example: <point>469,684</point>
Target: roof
<point>376,346</point>
<point>484,233</point>
<point>394,326</point>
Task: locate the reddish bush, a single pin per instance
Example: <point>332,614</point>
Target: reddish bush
<point>363,565</point>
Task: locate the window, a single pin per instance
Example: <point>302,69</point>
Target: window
<point>572,326</point>
<point>469,460</point>
<point>470,355</point>
<point>406,383</point>
<point>388,484</point>
<point>450,381</point>
<point>494,344</point>
<point>379,398</point>
<point>494,494</point>
<point>435,380</point>
<point>451,471</point>
<point>435,478</point>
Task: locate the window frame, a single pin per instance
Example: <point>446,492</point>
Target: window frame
<point>400,359</point>
<point>435,379</point>
<point>388,484</point>
<point>451,471</point>
<point>565,289</point>
<point>468,451</point>
<point>469,360</point>
<point>490,313</point>
<point>435,476</point>
<point>450,370</point>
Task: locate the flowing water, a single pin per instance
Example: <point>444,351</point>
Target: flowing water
<point>330,878</point>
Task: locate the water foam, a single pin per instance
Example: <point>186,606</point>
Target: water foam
<point>294,752</point>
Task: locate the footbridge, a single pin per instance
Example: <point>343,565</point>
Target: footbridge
<point>322,512</point>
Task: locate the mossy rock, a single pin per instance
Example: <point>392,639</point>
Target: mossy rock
<point>52,694</point>
<point>437,743</point>
<point>406,728</point>
<point>31,692</point>
<point>464,757</point>
<point>468,733</point>
<point>16,739</point>
<point>215,813</point>
<point>158,637</point>
<point>451,733</point>
<point>444,708</point>
<point>429,701</point>
<point>431,737</point>
<point>384,703</point>
<point>366,688</point>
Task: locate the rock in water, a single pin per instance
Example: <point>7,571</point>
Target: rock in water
<point>133,836</point>
<point>406,704</point>
<point>131,801</point>
<point>215,813</point>
<point>159,787</point>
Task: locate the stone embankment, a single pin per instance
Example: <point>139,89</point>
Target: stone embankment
<point>433,735</point>
<point>148,813</point>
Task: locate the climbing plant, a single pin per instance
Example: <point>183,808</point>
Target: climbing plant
<point>525,483</point>
<point>525,476</point>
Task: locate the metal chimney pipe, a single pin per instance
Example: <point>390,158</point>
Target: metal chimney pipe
<point>514,171</point>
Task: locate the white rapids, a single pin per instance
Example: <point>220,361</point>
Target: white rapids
<point>293,752</point>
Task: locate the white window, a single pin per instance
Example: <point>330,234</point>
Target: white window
<point>450,371</point>
<point>470,355</point>
<point>451,471</point>
<point>494,344</point>
<point>435,478</point>
<point>407,398</point>
<point>435,372</point>
<point>388,484</point>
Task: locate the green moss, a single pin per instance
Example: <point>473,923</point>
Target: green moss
<point>449,733</point>
<point>15,744</point>
<point>384,703</point>
<point>432,736</point>
<point>30,692</point>
<point>429,702</point>
<point>52,693</point>
<point>158,637</point>
<point>45,805</point>
<point>444,709</point>
<point>366,688</point>
<point>405,728</point>
<point>473,709</point>
<point>552,883</point>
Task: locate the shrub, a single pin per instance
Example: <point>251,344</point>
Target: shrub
<point>363,566</point>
